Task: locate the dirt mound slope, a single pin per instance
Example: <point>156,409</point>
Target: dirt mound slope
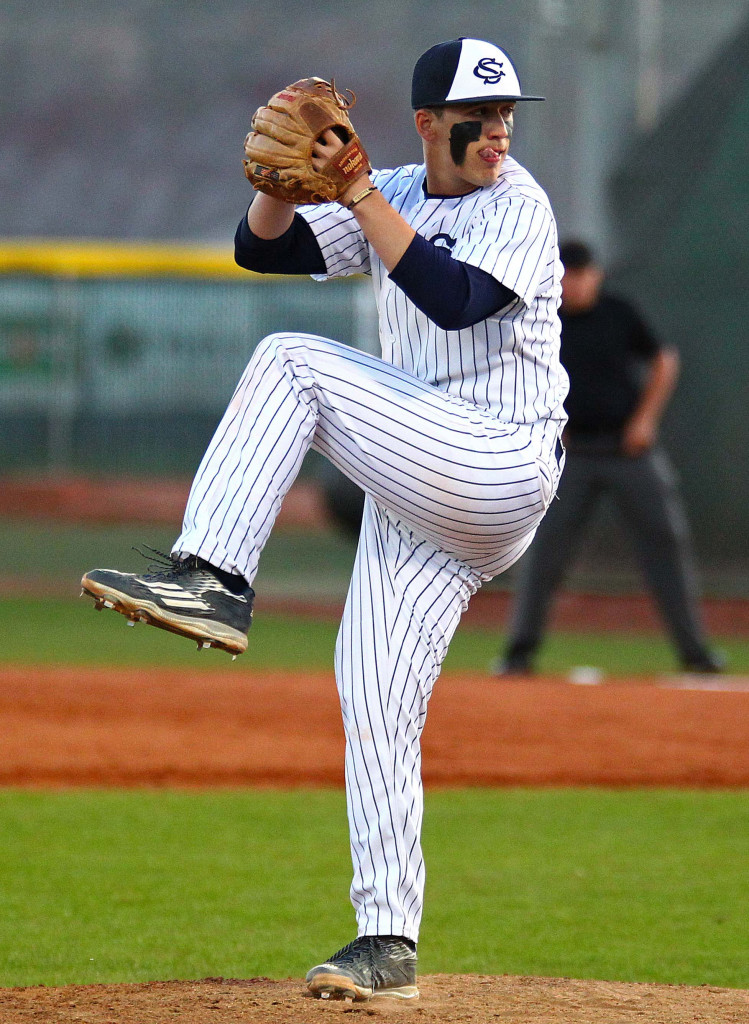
<point>444,998</point>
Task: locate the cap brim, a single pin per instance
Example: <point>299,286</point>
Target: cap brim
<point>492,99</point>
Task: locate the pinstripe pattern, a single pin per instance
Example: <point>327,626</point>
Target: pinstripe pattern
<point>453,436</point>
<point>466,482</point>
<point>509,364</point>
<point>399,586</point>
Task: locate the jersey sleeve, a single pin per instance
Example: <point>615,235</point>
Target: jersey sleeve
<point>342,243</point>
<point>510,238</point>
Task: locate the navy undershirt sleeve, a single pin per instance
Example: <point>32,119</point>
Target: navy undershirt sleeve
<point>294,252</point>
<point>452,294</point>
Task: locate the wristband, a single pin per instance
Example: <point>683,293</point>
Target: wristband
<point>359,196</point>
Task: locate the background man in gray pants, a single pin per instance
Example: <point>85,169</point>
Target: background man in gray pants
<point>621,379</point>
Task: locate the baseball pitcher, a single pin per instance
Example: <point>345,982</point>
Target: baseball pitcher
<point>454,435</point>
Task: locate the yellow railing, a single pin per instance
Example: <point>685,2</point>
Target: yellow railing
<point>65,257</point>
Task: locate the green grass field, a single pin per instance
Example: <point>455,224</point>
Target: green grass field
<point>111,886</point>
<point>131,886</point>
<point>69,631</point>
<point>50,629</point>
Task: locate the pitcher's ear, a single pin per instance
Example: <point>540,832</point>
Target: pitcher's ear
<point>424,120</point>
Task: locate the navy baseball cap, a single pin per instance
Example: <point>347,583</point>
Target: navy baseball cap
<point>464,71</point>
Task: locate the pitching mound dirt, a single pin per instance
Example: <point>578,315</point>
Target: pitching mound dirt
<point>444,998</point>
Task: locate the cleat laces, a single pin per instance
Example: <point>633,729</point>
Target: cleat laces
<point>162,564</point>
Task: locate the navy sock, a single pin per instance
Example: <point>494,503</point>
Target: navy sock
<point>231,580</point>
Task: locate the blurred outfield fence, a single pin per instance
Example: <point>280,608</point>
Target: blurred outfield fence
<point>123,357</point>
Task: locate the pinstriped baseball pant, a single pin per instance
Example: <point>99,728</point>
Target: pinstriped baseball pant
<point>453,498</point>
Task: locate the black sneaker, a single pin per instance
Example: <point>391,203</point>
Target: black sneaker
<point>185,597</point>
<point>708,663</point>
<point>372,965</point>
<point>512,665</point>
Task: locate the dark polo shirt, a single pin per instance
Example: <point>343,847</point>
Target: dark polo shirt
<point>605,352</point>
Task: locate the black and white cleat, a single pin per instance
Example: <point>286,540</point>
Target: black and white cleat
<point>184,596</point>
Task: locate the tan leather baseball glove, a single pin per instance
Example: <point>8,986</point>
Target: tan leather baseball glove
<point>279,148</point>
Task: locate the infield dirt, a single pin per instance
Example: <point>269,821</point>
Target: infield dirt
<point>235,726</point>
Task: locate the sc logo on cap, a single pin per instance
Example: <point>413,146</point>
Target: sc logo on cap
<point>489,70</point>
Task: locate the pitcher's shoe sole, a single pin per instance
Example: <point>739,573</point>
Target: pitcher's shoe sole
<point>206,632</point>
<point>330,985</point>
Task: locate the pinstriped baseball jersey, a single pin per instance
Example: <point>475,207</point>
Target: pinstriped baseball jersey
<point>508,363</point>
